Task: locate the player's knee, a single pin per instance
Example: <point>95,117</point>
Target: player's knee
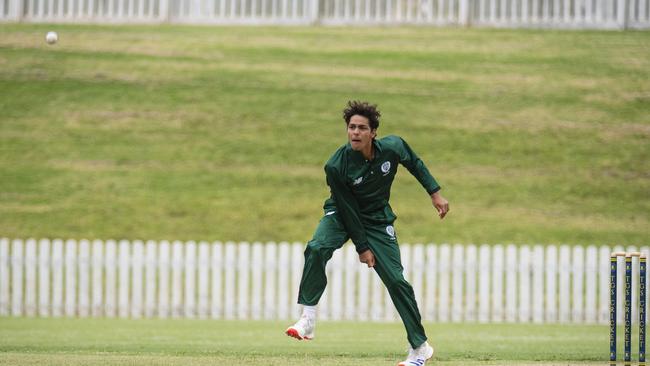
<point>395,283</point>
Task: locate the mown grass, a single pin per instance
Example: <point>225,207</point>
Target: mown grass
<point>174,342</point>
<point>220,133</point>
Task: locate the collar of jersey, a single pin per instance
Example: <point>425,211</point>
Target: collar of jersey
<point>358,157</point>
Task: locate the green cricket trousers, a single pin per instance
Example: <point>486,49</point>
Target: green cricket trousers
<point>330,236</point>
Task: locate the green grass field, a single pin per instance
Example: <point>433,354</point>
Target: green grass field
<point>206,133</point>
<point>194,342</point>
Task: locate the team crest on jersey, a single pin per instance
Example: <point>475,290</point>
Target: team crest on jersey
<point>357,181</point>
<point>390,230</point>
<point>385,167</point>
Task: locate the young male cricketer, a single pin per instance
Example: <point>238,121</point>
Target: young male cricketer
<point>360,175</point>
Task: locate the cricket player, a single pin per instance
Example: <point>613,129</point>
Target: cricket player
<point>360,175</point>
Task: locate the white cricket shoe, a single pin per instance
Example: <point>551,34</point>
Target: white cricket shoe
<point>303,329</point>
<point>418,356</point>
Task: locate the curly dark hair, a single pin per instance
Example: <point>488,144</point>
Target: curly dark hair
<point>365,109</point>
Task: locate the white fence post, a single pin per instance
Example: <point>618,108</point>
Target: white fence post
<point>189,289</point>
<point>565,270</point>
<point>124,283</point>
<point>17,267</point>
<point>591,281</point>
<point>270,266</point>
<point>70,277</point>
<point>57,278</point>
<point>524,284</point>
<point>350,268</point>
<point>283,281</point>
<point>511,283</point>
<point>164,265</point>
<point>30,277</point>
<point>84,278</point>
<point>484,284</point>
<point>111,270</point>
<point>470,283</point>
<point>297,264</point>
<point>230,265</point>
<point>551,284</point>
<point>457,283</point>
<point>497,283</point>
<point>257,266</point>
<point>335,297</point>
<point>216,265</point>
<point>203,271</point>
<point>137,276</point>
<point>150,278</point>
<point>416,275</point>
<point>4,276</point>
<point>538,284</point>
<point>443,299</point>
<point>243,269</point>
<point>431,272</point>
<point>578,267</point>
<point>177,279</point>
<point>44,277</point>
<point>98,278</point>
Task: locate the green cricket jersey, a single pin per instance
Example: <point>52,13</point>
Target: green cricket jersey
<point>360,188</point>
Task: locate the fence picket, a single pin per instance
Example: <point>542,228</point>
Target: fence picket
<point>30,277</point>
<point>4,276</point>
<point>551,284</point>
<point>137,264</point>
<point>111,265</point>
<point>57,277</point>
<point>189,290</point>
<point>484,284</point>
<point>430,304</point>
<point>203,283</point>
<point>243,274</point>
<point>17,268</point>
<point>443,294</point>
<point>538,284</point>
<point>497,284</point>
<point>524,284</point>
<point>257,263</point>
<point>177,279</point>
<point>416,274</point>
<point>44,277</point>
<point>591,280</point>
<point>335,297</point>
<point>457,283</point>
<point>164,266</point>
<point>511,283</point>
<point>150,279</point>
<point>270,261</point>
<point>216,266</point>
<point>84,278</point>
<point>470,283</point>
<point>124,283</point>
<point>97,270</point>
<point>283,281</point>
<point>297,263</point>
<point>564,283</point>
<point>351,267</point>
<point>230,266</point>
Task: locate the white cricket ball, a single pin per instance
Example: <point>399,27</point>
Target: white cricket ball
<point>51,37</point>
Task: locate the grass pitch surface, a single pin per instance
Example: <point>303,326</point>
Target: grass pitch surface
<point>194,342</point>
<point>210,133</point>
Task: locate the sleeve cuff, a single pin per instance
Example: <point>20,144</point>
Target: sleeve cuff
<point>432,191</point>
<point>362,248</point>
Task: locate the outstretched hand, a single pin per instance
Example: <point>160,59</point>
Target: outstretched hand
<point>368,258</point>
<point>441,204</point>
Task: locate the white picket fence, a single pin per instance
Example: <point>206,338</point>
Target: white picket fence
<point>452,283</point>
<point>605,14</point>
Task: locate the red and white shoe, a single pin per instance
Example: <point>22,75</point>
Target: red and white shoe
<point>418,356</point>
<point>303,329</point>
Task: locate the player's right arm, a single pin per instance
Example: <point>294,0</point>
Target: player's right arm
<point>347,207</point>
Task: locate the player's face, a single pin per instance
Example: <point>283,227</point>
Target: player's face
<point>360,134</point>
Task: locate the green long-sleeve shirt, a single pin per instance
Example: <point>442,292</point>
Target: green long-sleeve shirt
<point>360,188</point>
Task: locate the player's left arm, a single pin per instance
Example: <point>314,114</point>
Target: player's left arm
<point>416,167</point>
